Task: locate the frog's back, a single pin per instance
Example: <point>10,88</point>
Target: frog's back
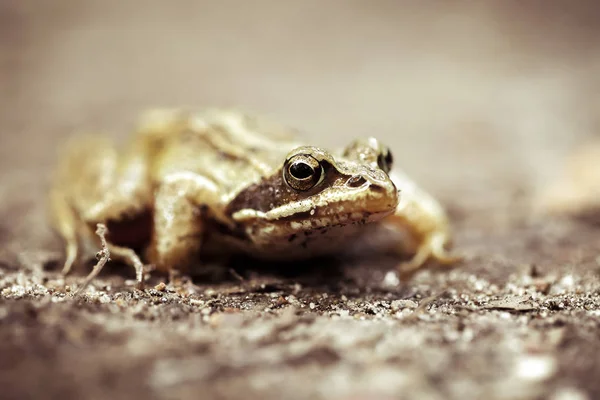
<point>231,148</point>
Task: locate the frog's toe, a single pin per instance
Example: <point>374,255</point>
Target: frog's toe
<point>439,253</point>
<point>447,258</point>
<point>71,250</point>
<point>434,248</point>
<point>418,260</point>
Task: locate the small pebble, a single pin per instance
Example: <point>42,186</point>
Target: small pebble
<point>391,279</point>
<point>402,304</point>
<point>536,368</point>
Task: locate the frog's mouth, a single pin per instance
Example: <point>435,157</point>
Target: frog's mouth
<point>309,227</point>
<point>313,219</point>
<point>340,212</point>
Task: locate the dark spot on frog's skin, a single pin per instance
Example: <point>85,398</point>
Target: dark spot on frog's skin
<point>292,237</point>
<point>308,233</point>
<point>226,156</point>
<point>304,244</point>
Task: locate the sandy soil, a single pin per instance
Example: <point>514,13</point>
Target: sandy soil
<point>479,103</point>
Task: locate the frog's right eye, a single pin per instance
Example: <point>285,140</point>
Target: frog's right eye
<point>302,172</point>
<point>385,160</point>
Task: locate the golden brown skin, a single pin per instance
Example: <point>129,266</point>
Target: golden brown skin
<point>222,180</point>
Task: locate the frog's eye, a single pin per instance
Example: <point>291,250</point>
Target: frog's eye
<point>302,172</point>
<point>385,160</point>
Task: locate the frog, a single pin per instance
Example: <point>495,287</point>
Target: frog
<point>224,181</point>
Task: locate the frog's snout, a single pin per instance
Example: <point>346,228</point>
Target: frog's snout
<point>376,188</point>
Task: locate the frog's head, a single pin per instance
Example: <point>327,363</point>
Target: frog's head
<point>313,190</point>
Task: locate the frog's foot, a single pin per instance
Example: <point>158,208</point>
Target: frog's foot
<point>432,248</point>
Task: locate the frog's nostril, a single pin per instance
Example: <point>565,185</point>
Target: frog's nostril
<point>356,181</point>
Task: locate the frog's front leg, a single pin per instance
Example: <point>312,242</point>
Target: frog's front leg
<point>179,227</point>
<point>427,223</point>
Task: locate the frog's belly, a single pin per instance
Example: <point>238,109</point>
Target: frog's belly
<point>297,247</point>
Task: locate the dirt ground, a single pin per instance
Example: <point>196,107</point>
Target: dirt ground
<point>480,104</point>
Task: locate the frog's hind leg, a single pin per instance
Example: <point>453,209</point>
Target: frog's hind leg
<point>96,184</point>
<point>431,245</point>
<point>73,189</point>
<point>66,224</point>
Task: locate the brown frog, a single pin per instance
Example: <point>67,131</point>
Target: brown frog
<point>222,180</point>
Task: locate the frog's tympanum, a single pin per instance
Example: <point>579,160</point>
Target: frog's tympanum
<point>221,180</point>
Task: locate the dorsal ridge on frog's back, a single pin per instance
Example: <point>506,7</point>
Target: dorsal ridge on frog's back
<point>237,136</point>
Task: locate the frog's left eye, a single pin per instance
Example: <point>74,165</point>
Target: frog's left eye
<point>302,172</point>
<point>385,160</point>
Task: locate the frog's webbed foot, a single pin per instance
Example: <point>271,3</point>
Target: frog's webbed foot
<point>426,222</point>
<point>433,248</point>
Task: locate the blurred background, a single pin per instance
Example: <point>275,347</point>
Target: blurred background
<point>478,100</point>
